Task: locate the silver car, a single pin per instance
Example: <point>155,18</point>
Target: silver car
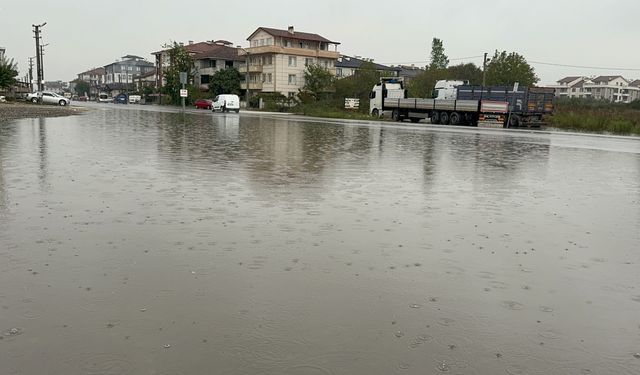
<point>47,97</point>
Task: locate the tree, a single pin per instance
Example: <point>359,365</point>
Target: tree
<point>225,81</point>
<point>438,59</point>
<point>506,69</point>
<point>317,81</point>
<point>465,72</point>
<point>8,73</point>
<point>422,85</point>
<point>82,87</point>
<point>358,86</point>
<point>179,61</point>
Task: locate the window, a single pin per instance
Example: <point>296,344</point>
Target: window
<point>205,79</point>
<point>129,68</point>
<point>269,41</point>
<point>261,42</point>
<point>137,68</point>
<point>292,79</point>
<point>339,72</point>
<point>286,43</point>
<point>264,78</point>
<point>308,61</point>
<point>268,60</point>
<point>269,77</point>
<point>293,61</point>
<point>228,64</point>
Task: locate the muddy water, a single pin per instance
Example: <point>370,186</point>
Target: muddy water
<point>155,243</point>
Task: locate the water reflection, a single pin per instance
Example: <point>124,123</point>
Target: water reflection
<point>254,244</point>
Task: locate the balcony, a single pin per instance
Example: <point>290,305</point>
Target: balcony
<point>253,68</point>
<point>290,51</point>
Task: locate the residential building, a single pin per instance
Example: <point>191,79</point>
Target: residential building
<point>208,57</point>
<point>2,52</point>
<point>573,87</point>
<point>95,78</point>
<point>347,66</point>
<point>276,59</point>
<point>56,86</point>
<point>615,89</point>
<point>120,75</point>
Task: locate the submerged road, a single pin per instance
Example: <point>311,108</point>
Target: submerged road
<point>140,240</point>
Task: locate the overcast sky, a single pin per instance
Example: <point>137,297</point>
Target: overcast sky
<point>83,34</point>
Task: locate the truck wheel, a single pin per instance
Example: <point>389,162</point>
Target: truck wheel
<point>514,121</point>
<point>375,113</point>
<point>454,119</point>
<point>395,115</point>
<point>444,118</point>
<point>435,117</point>
<point>34,100</point>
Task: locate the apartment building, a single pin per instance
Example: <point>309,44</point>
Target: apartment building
<point>124,71</point>
<point>276,59</point>
<point>208,57</point>
<point>615,89</point>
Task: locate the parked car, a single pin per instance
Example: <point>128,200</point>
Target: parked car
<point>103,97</point>
<point>121,99</point>
<point>48,97</point>
<point>226,103</point>
<point>204,104</point>
<point>83,98</point>
<point>135,99</point>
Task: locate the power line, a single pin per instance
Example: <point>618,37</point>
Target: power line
<point>426,62</point>
<point>581,66</point>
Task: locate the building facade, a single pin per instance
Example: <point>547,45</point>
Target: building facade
<point>276,59</point>
<point>95,78</point>
<point>616,89</point>
<point>208,57</point>
<point>124,71</point>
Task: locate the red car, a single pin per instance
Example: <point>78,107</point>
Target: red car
<point>203,104</point>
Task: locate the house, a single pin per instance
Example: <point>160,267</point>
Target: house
<point>615,89</point>
<point>95,78</point>
<point>347,66</point>
<point>276,59</point>
<point>573,87</point>
<point>119,75</point>
<point>208,57</point>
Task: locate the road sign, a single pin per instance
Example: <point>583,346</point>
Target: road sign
<point>183,93</point>
<point>351,103</point>
<point>183,78</point>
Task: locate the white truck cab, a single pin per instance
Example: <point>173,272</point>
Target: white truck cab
<point>392,87</point>
<point>447,90</point>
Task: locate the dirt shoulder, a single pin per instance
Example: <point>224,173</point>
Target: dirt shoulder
<point>12,111</point>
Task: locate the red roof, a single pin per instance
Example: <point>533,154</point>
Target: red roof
<point>209,50</point>
<point>293,35</point>
<point>94,72</point>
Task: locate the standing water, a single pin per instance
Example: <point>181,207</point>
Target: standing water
<point>139,242</point>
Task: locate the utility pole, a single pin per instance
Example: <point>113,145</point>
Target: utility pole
<point>39,68</point>
<point>484,70</point>
<point>42,62</point>
<point>30,76</point>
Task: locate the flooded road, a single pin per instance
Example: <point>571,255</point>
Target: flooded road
<point>142,242</point>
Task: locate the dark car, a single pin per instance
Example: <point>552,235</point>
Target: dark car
<point>203,104</point>
<point>121,99</point>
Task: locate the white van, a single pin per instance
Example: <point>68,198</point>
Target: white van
<point>226,103</point>
<point>103,97</point>
<point>135,99</point>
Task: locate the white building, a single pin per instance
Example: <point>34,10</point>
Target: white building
<point>615,89</point>
<point>277,59</point>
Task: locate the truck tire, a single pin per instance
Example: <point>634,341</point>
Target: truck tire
<point>395,115</point>
<point>454,119</point>
<point>435,117</point>
<point>444,118</point>
<point>375,113</point>
<point>514,121</point>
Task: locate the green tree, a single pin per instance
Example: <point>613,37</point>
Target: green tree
<point>318,81</point>
<point>438,59</point>
<point>8,73</point>
<point>179,61</point>
<point>422,85</point>
<point>82,87</point>
<point>358,86</point>
<point>465,72</point>
<point>508,68</point>
<point>225,81</point>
